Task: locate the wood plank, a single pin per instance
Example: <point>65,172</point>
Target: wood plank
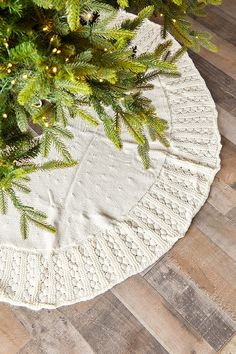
<point>158,317</point>
<point>229,7</point>
<point>230,348</point>
<point>109,327</point>
<point>13,334</point>
<point>221,86</point>
<point>220,22</point>
<point>222,196</point>
<point>227,126</point>
<point>228,156</point>
<point>232,215</point>
<point>211,269</point>
<point>190,302</point>
<point>52,333</point>
<point>220,229</point>
<point>224,59</point>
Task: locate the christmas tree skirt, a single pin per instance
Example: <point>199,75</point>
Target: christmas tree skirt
<point>113,217</point>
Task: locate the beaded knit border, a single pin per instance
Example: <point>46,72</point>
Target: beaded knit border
<point>41,279</point>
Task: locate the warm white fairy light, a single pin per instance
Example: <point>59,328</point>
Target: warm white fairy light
<point>25,76</point>
<point>46,28</point>
<point>4,115</point>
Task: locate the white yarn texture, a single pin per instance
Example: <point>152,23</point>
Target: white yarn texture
<point>108,229</point>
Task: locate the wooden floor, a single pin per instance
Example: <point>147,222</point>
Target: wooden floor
<point>186,302</point>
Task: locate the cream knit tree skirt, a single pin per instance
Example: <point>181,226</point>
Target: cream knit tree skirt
<point>114,219</point>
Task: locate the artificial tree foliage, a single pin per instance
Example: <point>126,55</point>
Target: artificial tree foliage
<point>175,16</point>
<point>60,57</point>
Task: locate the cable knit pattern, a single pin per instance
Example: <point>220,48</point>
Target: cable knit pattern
<point>42,279</point>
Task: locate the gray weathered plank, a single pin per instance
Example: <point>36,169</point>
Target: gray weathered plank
<point>109,327</point>
<point>159,317</point>
<point>51,332</point>
<point>190,302</point>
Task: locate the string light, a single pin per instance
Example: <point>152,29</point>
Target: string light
<point>9,71</point>
<point>13,82</point>
<point>54,50</point>
<point>24,76</point>
<point>9,65</point>
<point>5,43</point>
<point>196,37</point>
<point>101,80</point>
<point>44,118</point>
<point>174,20</point>
<point>58,51</point>
<point>67,59</point>
<point>161,15</point>
<point>89,16</point>
<point>47,67</point>
<point>105,49</point>
<point>4,115</point>
<point>54,69</point>
<point>46,124</point>
<point>122,99</point>
<point>46,28</point>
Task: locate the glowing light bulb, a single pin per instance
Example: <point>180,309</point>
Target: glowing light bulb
<point>161,15</point>
<point>4,115</point>
<point>67,59</point>
<point>44,118</point>
<point>13,82</point>
<point>46,28</point>
<point>174,20</point>
<point>58,51</point>
<point>101,80</point>
<point>54,50</point>
<point>25,76</point>
<point>54,69</point>
<point>105,49</point>
<point>9,65</point>
<point>46,124</point>
<point>9,71</point>
<point>89,16</point>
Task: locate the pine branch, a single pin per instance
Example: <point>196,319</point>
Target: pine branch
<point>3,202</point>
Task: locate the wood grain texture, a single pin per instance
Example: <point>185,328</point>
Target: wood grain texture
<point>230,348</point>
<point>186,302</point>
<point>13,334</point>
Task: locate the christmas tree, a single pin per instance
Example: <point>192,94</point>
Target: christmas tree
<point>57,59</point>
<point>174,15</point>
